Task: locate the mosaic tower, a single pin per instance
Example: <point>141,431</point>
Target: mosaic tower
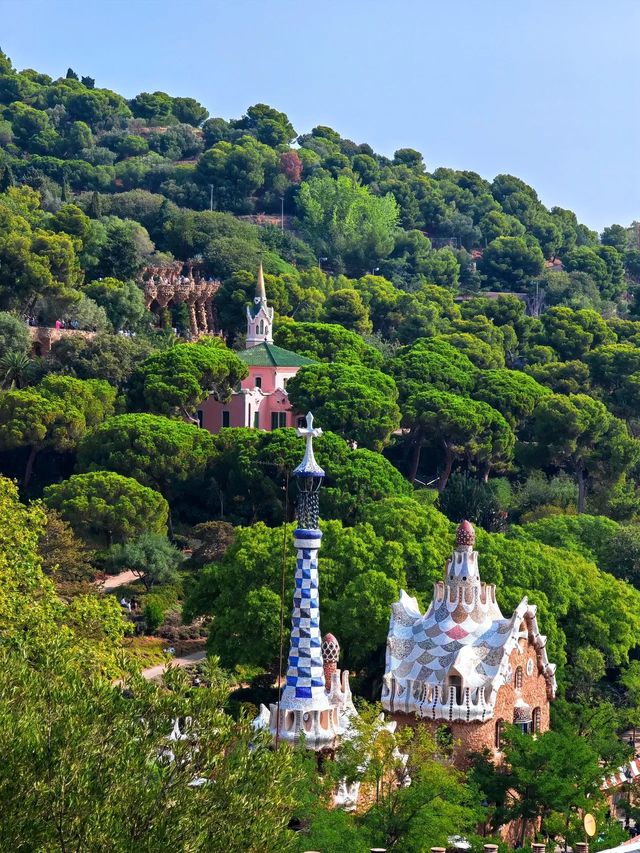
<point>316,700</point>
<point>305,685</point>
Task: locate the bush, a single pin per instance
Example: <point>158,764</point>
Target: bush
<point>153,614</point>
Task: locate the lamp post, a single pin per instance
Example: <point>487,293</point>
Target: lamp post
<point>320,260</point>
<point>282,213</point>
<point>211,198</point>
<point>375,270</point>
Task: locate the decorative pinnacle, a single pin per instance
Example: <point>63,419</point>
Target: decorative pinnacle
<point>309,467</point>
<point>261,293</point>
<point>465,534</point>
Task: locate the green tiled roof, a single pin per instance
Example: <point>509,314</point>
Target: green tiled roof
<point>269,355</point>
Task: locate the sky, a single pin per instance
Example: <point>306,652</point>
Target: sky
<point>546,90</point>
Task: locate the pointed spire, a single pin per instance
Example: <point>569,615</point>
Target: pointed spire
<point>261,293</point>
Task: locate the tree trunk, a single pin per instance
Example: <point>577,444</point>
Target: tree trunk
<point>582,488</point>
<point>415,460</point>
<point>28,471</point>
<point>448,465</point>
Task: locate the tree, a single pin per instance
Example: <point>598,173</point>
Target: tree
<point>356,402</point>
<point>557,772</point>
<point>511,392</point>
<point>463,428</point>
<point>577,432</point>
<point>151,557</point>
<point>346,222</point>
<point>268,125</point>
<point>237,170</point>
<point>157,452</point>
<point>189,111</point>
<point>156,106</point>
<point>508,263</point>
<point>363,612</point>
<point>615,369</point>
<point>215,538</point>
<point>562,377</point>
<point>14,335</point>
<point>431,362</point>
<point>327,342</point>
<point>103,506</point>
<point>616,236</point>
<point>178,379</point>
<point>110,357</point>
<point>346,308</point>
<point>55,414</point>
<point>64,556</point>
<point>574,333</point>
<point>123,302</point>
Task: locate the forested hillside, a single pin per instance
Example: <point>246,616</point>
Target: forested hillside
<point>476,355</point>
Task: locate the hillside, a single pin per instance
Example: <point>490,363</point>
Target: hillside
<point>474,355</point>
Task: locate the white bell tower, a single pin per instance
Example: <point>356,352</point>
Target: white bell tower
<point>259,316</point>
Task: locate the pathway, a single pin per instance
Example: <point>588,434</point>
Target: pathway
<point>114,581</point>
<point>186,660</point>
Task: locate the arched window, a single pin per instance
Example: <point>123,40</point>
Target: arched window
<point>537,719</point>
<point>261,328</point>
<point>499,731</point>
<point>517,678</point>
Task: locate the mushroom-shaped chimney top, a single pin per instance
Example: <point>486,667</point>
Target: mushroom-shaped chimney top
<point>465,534</point>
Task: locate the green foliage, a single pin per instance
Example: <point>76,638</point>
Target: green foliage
<point>151,557</point>
<point>55,415</point>
<point>156,451</point>
<point>174,382</point>
<point>356,402</point>
<point>327,342</point>
<point>104,506</point>
<point>123,302</point>
<point>344,221</point>
<point>508,263</point>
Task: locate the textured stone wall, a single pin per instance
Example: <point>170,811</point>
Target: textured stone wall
<point>43,337</point>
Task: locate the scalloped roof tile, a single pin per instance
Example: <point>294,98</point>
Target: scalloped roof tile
<point>270,355</point>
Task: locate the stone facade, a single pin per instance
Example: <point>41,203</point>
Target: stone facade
<point>167,285</point>
<point>43,337</point>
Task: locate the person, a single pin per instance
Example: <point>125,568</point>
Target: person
<point>58,324</point>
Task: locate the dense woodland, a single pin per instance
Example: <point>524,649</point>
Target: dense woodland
<point>477,355</point>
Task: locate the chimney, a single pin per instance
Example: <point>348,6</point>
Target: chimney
<point>490,848</point>
<point>438,850</point>
<point>581,847</point>
<point>538,848</point>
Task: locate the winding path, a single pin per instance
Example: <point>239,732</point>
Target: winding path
<point>185,660</point>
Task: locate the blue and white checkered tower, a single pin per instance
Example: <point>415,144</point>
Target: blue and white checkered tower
<point>305,687</point>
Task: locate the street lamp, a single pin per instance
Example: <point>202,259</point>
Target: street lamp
<point>320,260</point>
<point>211,198</point>
<point>282,213</point>
<point>375,270</point>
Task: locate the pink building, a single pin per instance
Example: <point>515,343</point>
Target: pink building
<point>261,401</point>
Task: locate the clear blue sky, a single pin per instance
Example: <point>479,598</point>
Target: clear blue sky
<point>547,90</point>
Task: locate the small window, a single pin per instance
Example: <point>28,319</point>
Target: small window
<point>199,417</point>
<point>284,381</point>
<point>225,419</point>
<point>537,720</point>
<point>517,679</point>
<point>256,420</point>
<point>499,731</point>
<point>302,423</point>
<point>278,420</point>
<point>261,328</point>
<point>258,381</point>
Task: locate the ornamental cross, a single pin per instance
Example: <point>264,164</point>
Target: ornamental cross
<point>309,464</point>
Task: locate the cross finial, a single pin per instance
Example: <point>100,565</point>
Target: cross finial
<point>309,466</point>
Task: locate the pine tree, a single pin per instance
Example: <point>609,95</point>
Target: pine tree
<point>7,179</point>
<point>89,82</point>
<point>95,206</point>
<point>71,74</point>
<point>66,191</point>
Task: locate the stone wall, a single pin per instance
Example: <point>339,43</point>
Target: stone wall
<point>475,736</point>
<point>43,337</point>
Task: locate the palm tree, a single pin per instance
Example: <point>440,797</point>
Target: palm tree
<point>15,368</point>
